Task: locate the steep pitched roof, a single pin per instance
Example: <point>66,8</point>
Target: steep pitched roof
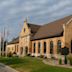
<point>34,28</point>
<point>51,29</point>
<point>14,41</point>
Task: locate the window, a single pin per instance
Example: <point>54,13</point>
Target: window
<point>8,49</point>
<point>24,29</point>
<point>12,48</point>
<point>26,50</point>
<point>51,47</point>
<point>71,46</point>
<point>34,47</point>
<point>39,45</point>
<point>21,50</point>
<point>44,47</point>
<point>1,49</point>
<point>58,46</point>
<point>17,48</point>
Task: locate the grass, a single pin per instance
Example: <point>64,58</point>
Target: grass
<point>30,64</point>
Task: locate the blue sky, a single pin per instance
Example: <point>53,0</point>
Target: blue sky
<point>14,12</point>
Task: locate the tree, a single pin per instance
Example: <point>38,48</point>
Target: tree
<point>65,52</point>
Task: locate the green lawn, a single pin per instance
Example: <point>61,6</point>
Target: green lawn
<point>29,64</point>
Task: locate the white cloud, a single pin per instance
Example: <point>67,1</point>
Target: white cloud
<point>12,12</point>
<point>28,6</point>
<point>56,7</point>
<point>5,3</point>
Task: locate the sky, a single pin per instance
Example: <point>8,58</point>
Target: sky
<point>14,12</point>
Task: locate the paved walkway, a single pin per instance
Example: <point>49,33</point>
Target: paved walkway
<point>53,64</point>
<point>4,68</point>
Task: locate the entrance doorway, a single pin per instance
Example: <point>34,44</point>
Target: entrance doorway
<point>71,46</point>
<point>26,50</point>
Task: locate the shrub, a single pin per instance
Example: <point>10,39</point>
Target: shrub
<point>70,58</point>
<point>41,56</point>
<point>14,52</point>
<point>9,54</point>
<point>28,54</point>
<point>33,56</point>
<point>45,57</point>
<point>52,57</point>
<point>60,61</point>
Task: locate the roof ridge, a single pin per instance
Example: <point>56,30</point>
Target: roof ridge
<point>34,24</point>
<point>57,20</point>
<point>52,29</point>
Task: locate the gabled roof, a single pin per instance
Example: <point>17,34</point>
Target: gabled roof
<point>52,29</point>
<point>14,41</point>
<point>34,28</point>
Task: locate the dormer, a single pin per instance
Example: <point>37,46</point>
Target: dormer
<point>25,30</point>
<point>29,29</point>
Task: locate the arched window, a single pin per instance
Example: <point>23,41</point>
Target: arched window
<point>44,47</point>
<point>39,46</point>
<point>26,50</point>
<point>51,47</point>
<point>15,48</point>
<point>71,46</point>
<point>59,46</point>
<point>21,50</point>
<point>34,47</point>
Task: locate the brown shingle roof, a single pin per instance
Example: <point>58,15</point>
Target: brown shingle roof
<point>14,41</point>
<point>34,28</point>
<point>52,29</point>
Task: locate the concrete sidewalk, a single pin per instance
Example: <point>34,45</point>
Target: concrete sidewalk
<point>4,68</point>
<point>52,64</point>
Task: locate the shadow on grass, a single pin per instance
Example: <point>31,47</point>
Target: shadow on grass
<point>30,64</point>
<point>12,60</point>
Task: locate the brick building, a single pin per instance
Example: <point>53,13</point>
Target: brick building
<point>47,39</point>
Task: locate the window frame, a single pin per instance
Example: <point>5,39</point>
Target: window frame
<point>51,47</point>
